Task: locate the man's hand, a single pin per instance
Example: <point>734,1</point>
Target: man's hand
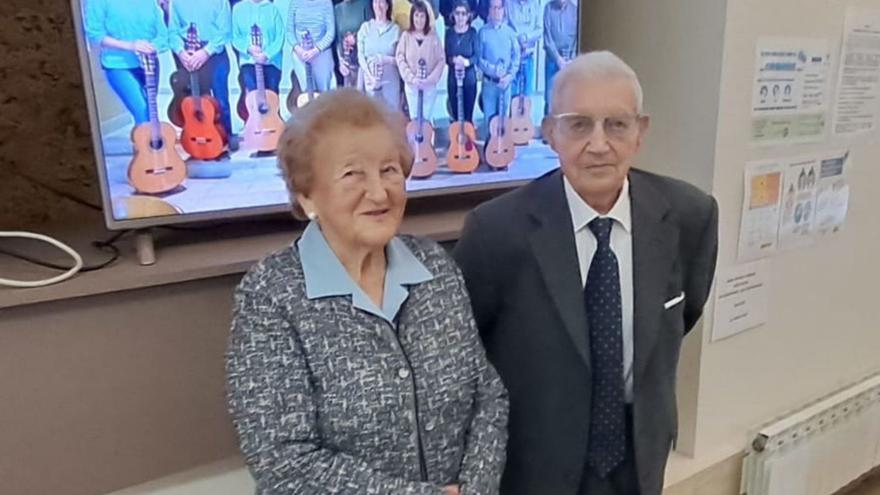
<point>300,52</point>
<point>344,68</point>
<point>308,55</point>
<point>143,47</point>
<point>505,81</point>
<point>198,59</point>
<point>185,59</point>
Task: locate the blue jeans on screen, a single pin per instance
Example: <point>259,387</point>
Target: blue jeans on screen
<point>528,68</point>
<point>550,71</point>
<point>130,86</point>
<point>271,76</point>
<point>491,93</point>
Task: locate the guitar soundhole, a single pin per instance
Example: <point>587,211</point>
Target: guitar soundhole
<point>156,144</point>
<point>263,108</point>
<point>200,115</point>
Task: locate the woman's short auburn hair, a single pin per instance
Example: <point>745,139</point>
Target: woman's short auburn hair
<point>419,6</point>
<point>341,111</point>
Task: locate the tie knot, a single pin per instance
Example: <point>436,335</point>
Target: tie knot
<point>601,228</point>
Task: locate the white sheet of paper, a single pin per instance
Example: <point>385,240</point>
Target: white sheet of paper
<point>858,80</point>
<point>759,225</point>
<point>832,193</point>
<point>790,91</point>
<point>798,203</point>
<point>741,299</point>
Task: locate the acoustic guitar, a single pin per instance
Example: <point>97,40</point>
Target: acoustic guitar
<point>522,130</point>
<point>349,53</point>
<point>500,150</point>
<point>203,136</point>
<point>463,156</point>
<point>295,91</point>
<point>309,94</point>
<point>264,125</point>
<point>421,136</point>
<point>180,81</point>
<point>156,167</point>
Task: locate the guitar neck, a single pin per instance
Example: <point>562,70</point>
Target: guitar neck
<point>155,131</point>
<point>460,103</point>
<point>261,82</point>
<point>310,78</point>
<point>420,116</point>
<point>195,89</point>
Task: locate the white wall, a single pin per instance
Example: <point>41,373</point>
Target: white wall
<point>823,330</point>
<point>696,62</point>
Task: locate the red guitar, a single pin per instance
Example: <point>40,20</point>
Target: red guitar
<point>203,137</point>
<point>156,167</point>
<point>463,155</point>
<point>421,137</point>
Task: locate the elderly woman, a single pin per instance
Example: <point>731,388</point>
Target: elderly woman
<point>354,365</point>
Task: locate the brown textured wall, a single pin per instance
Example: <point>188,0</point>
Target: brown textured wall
<point>44,130</point>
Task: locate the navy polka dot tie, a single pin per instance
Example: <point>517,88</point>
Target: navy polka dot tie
<point>607,443</point>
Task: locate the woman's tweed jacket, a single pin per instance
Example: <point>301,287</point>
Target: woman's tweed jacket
<point>327,398</point>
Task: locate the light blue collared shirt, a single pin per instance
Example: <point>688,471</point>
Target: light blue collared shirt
<point>325,276</point>
<point>213,21</point>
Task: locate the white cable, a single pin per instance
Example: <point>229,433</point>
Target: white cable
<point>49,281</point>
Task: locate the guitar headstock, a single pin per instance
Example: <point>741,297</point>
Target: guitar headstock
<point>148,63</point>
<point>307,41</point>
<point>256,36</point>
<point>423,68</point>
<point>192,42</point>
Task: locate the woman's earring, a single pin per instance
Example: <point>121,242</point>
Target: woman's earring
<point>312,215</point>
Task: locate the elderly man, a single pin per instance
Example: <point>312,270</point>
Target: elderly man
<point>583,284</point>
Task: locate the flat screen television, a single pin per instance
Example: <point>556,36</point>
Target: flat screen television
<point>186,97</point>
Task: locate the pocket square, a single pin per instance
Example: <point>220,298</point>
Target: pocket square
<point>672,302</point>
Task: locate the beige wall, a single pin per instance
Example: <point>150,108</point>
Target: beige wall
<point>696,60</point>
<point>104,392</point>
<point>823,330</point>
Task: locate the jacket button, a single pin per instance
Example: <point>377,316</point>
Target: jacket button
<point>430,426</point>
<point>403,373</point>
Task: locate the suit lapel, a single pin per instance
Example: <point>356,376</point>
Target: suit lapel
<point>654,247</point>
<point>552,241</point>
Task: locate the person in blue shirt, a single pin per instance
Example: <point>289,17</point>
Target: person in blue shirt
<point>317,18</point>
<point>524,16</point>
<point>499,57</point>
<point>124,31</point>
<point>213,21</point>
<point>265,15</point>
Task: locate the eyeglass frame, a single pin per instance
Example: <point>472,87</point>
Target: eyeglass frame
<point>636,117</point>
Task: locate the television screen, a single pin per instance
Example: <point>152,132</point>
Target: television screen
<point>189,97</point>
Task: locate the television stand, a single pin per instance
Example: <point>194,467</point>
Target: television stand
<point>144,246</point>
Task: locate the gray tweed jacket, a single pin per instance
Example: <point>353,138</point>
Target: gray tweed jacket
<point>327,398</point>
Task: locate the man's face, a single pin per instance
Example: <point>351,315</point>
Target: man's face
<point>496,11</point>
<point>597,133</point>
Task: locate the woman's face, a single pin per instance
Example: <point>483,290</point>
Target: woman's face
<point>462,16</point>
<point>358,187</point>
<point>380,9</point>
<point>419,19</point>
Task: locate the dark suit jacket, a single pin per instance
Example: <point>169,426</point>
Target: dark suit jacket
<point>520,263</point>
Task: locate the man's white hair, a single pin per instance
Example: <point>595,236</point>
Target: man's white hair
<point>592,66</point>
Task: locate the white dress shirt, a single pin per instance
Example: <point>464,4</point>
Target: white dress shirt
<point>621,244</point>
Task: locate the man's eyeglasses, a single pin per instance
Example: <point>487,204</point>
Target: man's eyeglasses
<point>580,126</point>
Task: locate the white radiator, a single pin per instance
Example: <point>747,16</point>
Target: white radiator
<point>819,449</point>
